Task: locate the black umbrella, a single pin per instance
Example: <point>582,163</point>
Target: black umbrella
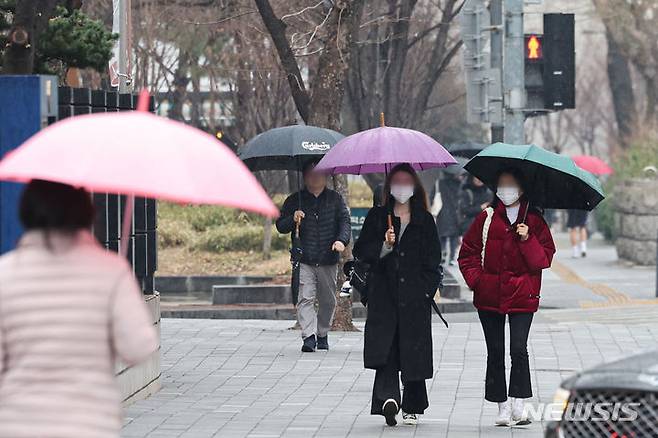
<point>288,148</point>
<point>466,149</point>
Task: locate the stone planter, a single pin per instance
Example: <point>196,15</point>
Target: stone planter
<point>635,206</point>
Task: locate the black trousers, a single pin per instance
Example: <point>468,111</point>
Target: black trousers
<point>493,325</point>
<point>387,386</point>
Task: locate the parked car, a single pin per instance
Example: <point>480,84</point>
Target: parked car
<point>612,400</point>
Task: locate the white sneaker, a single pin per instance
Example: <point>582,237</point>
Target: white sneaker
<point>504,414</point>
<point>518,416</point>
<point>410,419</point>
<point>576,252</point>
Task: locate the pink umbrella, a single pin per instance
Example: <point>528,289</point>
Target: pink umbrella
<point>378,150</point>
<point>138,154</point>
<point>593,164</point>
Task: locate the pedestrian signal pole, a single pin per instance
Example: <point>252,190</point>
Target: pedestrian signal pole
<point>514,73</point>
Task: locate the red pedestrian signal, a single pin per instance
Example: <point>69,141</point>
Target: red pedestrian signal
<point>533,49</point>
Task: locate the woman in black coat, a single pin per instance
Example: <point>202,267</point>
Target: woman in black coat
<point>405,272</point>
<point>447,221</point>
<point>474,198</point>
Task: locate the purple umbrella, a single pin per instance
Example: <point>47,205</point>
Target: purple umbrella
<point>378,150</point>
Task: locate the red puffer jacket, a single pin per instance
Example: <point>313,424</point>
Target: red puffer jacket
<point>511,278</point>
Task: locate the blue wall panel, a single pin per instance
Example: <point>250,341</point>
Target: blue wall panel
<point>25,104</point>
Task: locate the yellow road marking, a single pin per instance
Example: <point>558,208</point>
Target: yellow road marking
<point>612,296</point>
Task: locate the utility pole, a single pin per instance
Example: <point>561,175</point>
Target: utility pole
<point>496,58</point>
<point>124,73</point>
<point>514,72</point>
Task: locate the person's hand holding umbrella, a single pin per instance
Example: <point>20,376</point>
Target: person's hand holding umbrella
<point>338,246</point>
<point>523,231</point>
<point>389,237</point>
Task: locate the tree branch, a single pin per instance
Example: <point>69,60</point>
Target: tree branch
<point>277,30</point>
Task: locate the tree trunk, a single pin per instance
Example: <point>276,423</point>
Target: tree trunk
<point>180,82</point>
<point>267,238</point>
<point>621,87</point>
<point>30,20</point>
<point>323,107</point>
<point>327,93</point>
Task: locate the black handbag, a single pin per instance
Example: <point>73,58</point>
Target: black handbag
<point>357,272</point>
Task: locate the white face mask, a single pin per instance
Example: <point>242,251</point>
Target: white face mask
<point>508,195</point>
<point>402,193</point>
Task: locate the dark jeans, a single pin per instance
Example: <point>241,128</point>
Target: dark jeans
<point>493,325</point>
<point>449,242</point>
<point>387,385</point>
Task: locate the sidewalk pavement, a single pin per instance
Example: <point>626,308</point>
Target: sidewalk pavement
<point>248,379</point>
<point>235,379</point>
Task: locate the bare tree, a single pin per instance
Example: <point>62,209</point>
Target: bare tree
<point>632,62</point>
<point>331,28</point>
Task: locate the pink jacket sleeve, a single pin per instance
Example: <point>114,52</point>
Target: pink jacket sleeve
<point>2,352</point>
<point>134,337</point>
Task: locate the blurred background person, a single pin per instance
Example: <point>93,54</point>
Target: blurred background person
<point>577,225</point>
<point>447,221</point>
<point>474,198</point>
<point>68,309</point>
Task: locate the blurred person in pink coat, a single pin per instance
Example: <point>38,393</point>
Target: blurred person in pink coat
<point>68,309</point>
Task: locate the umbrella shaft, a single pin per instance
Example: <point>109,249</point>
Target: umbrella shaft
<point>127,222</point>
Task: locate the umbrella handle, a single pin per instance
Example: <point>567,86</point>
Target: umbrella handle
<point>389,220</point>
<point>297,225</point>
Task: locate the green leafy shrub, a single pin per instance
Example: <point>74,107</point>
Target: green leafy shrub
<point>238,238</point>
<point>642,152</point>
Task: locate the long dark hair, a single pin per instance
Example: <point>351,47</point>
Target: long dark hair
<point>51,206</point>
<point>419,198</point>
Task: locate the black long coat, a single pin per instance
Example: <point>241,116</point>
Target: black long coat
<point>400,287</point>
<point>448,219</point>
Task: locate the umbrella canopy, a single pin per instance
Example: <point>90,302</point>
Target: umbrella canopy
<point>593,164</point>
<point>288,148</point>
<point>459,168</point>
<point>137,153</point>
<point>467,149</point>
<point>553,180</point>
<point>377,150</point>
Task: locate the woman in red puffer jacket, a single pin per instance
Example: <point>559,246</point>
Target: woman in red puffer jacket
<point>506,280</point>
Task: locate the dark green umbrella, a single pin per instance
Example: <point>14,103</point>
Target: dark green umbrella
<point>553,180</point>
<point>458,169</point>
<point>467,149</point>
<point>288,148</point>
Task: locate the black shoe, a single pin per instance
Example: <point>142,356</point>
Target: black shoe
<point>323,343</point>
<point>390,410</point>
<point>309,344</point>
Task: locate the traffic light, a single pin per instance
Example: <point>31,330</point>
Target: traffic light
<point>559,61</point>
<point>550,66</point>
<point>534,72</point>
